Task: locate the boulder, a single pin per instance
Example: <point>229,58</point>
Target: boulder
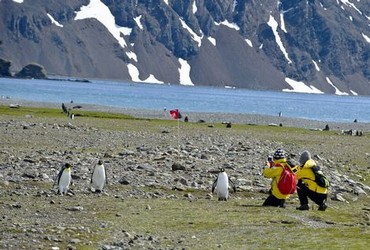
<point>5,68</point>
<point>32,70</point>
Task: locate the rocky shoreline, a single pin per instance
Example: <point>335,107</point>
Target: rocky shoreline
<point>253,119</point>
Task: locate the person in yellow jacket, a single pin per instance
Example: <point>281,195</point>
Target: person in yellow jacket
<point>307,187</point>
<point>276,198</point>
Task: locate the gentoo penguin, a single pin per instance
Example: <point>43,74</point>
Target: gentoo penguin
<point>99,177</point>
<point>64,179</point>
<point>221,184</point>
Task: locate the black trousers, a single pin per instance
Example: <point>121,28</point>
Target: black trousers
<point>273,201</point>
<point>304,193</point>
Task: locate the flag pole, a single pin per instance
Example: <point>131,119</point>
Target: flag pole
<point>175,114</point>
<point>178,138</point>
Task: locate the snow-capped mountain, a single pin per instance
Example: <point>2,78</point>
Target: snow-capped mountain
<point>314,46</point>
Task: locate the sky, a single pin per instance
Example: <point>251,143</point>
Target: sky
<point>98,10</point>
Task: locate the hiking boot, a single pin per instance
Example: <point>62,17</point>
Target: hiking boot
<point>322,207</point>
<point>303,207</point>
<point>282,204</point>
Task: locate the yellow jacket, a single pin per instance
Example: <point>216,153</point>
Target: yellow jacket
<point>274,173</point>
<point>307,176</point>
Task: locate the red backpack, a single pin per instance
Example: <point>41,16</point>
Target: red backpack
<point>288,181</point>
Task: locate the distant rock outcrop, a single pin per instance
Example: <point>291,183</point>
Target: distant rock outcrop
<point>32,70</point>
<point>5,68</point>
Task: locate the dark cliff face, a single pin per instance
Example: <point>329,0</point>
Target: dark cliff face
<point>242,43</point>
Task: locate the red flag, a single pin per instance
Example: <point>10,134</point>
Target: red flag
<point>175,114</point>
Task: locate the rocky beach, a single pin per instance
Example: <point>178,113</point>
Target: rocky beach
<point>159,167</point>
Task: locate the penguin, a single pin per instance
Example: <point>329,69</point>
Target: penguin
<point>64,179</point>
<point>99,177</point>
<point>222,185</point>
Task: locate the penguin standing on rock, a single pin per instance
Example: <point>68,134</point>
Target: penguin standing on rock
<point>221,184</point>
<point>99,177</point>
<point>64,179</point>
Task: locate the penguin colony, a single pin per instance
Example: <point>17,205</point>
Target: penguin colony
<point>99,180</point>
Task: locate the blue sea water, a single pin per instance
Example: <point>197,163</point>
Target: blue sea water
<point>190,99</point>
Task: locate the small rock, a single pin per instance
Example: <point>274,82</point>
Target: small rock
<point>177,166</point>
<point>190,196</point>
<point>179,188</point>
<point>108,247</point>
<point>77,208</point>
<point>30,175</point>
<point>124,181</point>
<point>127,234</point>
<point>359,191</point>
<point>75,241</point>
<point>16,206</point>
<point>48,238</point>
<point>339,197</point>
<point>45,176</point>
<point>183,181</point>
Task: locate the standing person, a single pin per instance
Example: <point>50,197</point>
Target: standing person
<point>274,170</point>
<point>307,187</point>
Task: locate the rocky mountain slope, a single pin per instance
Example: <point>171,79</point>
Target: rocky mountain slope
<point>303,46</point>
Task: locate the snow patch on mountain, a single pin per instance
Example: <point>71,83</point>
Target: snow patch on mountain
<point>184,71</point>
<point>249,42</point>
<point>195,37</point>
<point>194,6</point>
<point>234,5</point>
<point>138,22</point>
<point>273,24</point>
<point>366,37</point>
<point>131,55</point>
<point>212,40</point>
<point>134,72</point>
<point>18,1</point>
<point>349,4</point>
<point>337,91</point>
<point>301,87</point>
<point>316,65</point>
<point>152,79</point>
<point>228,24</point>
<point>282,22</point>
<point>53,21</point>
<point>98,10</point>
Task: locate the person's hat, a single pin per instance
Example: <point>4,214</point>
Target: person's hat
<point>279,154</point>
<point>305,156</point>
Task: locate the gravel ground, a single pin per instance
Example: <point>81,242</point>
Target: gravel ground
<point>137,154</point>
